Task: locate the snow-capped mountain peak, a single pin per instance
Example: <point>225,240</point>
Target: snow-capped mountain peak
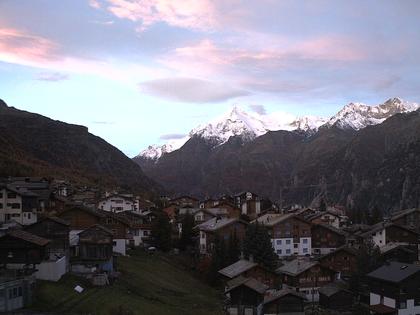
<point>358,115</point>
<point>249,125</point>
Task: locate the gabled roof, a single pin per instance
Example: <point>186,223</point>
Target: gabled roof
<point>394,245</point>
<point>332,229</point>
<point>281,293</point>
<point>334,287</point>
<point>28,237</point>
<point>296,266</point>
<point>320,214</point>
<point>271,219</point>
<point>251,283</point>
<point>97,226</point>
<point>73,207</point>
<point>350,250</point>
<point>237,268</point>
<point>394,272</point>
<point>217,223</point>
<point>403,213</point>
<point>55,219</point>
<point>383,225</point>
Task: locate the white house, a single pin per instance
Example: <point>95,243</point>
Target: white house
<point>117,203</point>
<point>290,234</point>
<point>20,205</point>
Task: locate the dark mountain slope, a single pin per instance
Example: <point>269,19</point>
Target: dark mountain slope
<point>32,144</point>
<point>376,166</point>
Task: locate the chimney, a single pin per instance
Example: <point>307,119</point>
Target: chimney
<point>251,258</point>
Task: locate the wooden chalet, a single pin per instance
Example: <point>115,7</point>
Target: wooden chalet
<point>250,269</point>
<point>245,295</point>
<point>336,296</point>
<point>305,276</point>
<point>21,247</point>
<point>343,261</point>
<point>326,238</point>
<point>284,301</point>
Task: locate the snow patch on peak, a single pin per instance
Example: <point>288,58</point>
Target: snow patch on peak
<point>358,115</point>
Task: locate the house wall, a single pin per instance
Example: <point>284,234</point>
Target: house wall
<point>325,240</point>
<point>52,270</point>
<point>16,294</point>
<point>79,219</point>
<point>289,304</point>
<point>13,208</point>
<point>379,238</point>
<point>284,247</point>
<point>340,261</point>
<point>116,204</point>
<point>119,246</point>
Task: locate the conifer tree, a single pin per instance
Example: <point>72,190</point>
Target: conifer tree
<point>257,243</point>
<point>162,232</point>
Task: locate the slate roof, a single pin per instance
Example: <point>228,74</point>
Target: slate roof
<point>237,268</point>
<point>333,229</point>
<point>29,237</point>
<point>394,272</point>
<point>271,219</point>
<point>279,294</point>
<point>296,267</point>
<point>333,288</point>
<point>248,282</point>
<point>402,213</point>
<point>391,246</point>
<point>383,225</point>
<point>217,223</point>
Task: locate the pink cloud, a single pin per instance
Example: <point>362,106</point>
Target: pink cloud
<point>19,47</point>
<point>94,4</point>
<point>194,14</point>
<point>207,58</point>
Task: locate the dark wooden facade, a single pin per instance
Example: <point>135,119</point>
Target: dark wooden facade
<point>54,229</point>
<point>343,260</point>
<point>284,304</point>
<point>324,236</point>
<point>20,247</point>
<point>95,244</point>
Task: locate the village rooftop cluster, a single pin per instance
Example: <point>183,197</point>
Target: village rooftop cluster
<point>316,259</point>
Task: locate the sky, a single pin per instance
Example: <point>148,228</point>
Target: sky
<point>140,72</point>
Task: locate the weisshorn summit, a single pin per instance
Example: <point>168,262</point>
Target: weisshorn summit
<point>347,159</point>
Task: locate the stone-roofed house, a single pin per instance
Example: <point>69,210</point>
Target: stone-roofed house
<point>245,295</point>
<point>401,252</point>
<point>284,301</point>
<point>394,288</point>
<point>19,247</point>
<point>249,269</point>
<point>305,276</point>
<point>336,296</point>
<point>290,234</point>
<point>223,228</point>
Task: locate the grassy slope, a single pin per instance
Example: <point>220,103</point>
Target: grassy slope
<point>149,284</point>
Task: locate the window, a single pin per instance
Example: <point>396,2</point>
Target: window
<point>11,195</point>
<point>403,304</point>
<point>278,242</point>
<point>279,252</point>
<point>114,243</point>
<point>29,215</point>
<point>288,242</point>
<point>1,206</point>
<point>146,233</point>
<point>305,241</point>
<point>305,250</point>
<point>295,245</point>
<point>287,251</point>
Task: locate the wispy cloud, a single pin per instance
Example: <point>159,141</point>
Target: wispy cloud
<point>52,76</point>
<point>103,122</point>
<point>94,4</point>
<point>190,90</point>
<point>171,136</point>
<point>194,14</point>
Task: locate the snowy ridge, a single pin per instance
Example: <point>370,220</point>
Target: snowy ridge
<point>358,115</point>
<point>250,125</point>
